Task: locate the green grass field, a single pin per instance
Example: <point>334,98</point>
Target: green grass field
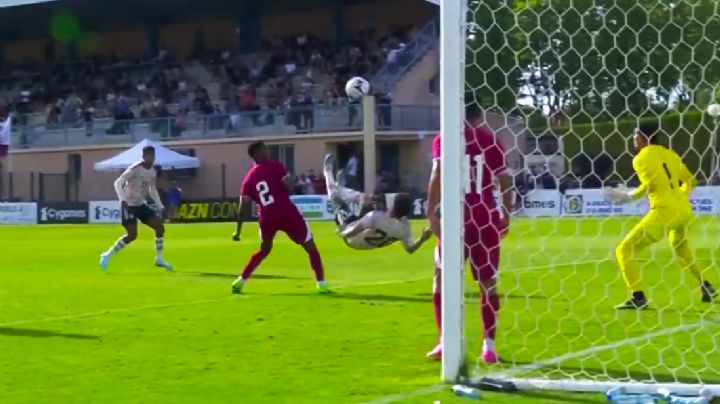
<point>72,334</point>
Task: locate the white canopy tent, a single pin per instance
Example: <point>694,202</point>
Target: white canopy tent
<point>164,157</point>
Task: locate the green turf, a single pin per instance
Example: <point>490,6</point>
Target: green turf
<point>72,334</point>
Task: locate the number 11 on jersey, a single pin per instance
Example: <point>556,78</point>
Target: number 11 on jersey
<point>473,174</point>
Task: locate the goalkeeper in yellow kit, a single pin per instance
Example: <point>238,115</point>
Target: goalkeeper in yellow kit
<point>667,182</point>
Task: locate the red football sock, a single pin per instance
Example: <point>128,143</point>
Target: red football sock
<point>490,305</point>
<point>254,262</point>
<point>317,265</point>
<point>437,303</point>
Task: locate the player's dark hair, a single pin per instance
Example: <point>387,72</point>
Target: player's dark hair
<point>254,147</point>
<point>148,149</point>
<point>651,132</point>
<point>402,206</point>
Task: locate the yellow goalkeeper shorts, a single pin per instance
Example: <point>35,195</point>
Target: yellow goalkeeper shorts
<point>660,222</point>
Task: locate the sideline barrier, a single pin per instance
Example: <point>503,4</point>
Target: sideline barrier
<point>536,203</point>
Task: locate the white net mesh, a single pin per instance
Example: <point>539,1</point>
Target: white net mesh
<point>568,81</point>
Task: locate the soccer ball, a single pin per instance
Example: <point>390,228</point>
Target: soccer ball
<point>356,88</point>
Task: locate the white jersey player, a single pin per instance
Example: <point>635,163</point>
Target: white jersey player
<point>133,188</point>
<point>373,227</point>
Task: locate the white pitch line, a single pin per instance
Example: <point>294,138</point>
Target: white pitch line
<point>596,349</point>
<point>537,365</point>
<point>400,397</point>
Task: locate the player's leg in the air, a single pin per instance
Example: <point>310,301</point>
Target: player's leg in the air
<point>153,220</point>
<point>340,196</point>
<point>129,222</point>
<point>679,242</point>
<point>649,231</point>
<point>484,254</point>
<point>267,234</point>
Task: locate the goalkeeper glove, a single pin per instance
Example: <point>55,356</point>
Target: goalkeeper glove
<point>619,196</point>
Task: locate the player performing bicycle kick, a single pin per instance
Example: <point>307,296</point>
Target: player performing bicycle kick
<point>373,227</point>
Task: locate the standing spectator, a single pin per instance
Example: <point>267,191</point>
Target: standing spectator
<point>307,112</point>
<point>87,115</point>
<point>174,200</point>
<point>384,111</point>
<point>122,113</point>
<point>351,170</point>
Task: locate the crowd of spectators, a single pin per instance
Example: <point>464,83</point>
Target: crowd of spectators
<point>287,79</point>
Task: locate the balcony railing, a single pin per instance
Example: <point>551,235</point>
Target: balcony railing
<point>409,55</point>
<point>262,123</point>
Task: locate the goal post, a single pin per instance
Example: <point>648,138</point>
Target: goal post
<point>569,81</point>
<point>453,17</point>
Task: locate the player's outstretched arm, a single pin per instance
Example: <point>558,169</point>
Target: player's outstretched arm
<point>243,214</point>
<point>155,195</point>
<point>290,181</point>
<point>122,179</point>
<point>415,245</point>
<point>434,198</point>
<point>688,180</point>
<point>506,183</point>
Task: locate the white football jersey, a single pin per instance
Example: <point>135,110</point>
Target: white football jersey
<point>136,184</point>
<point>381,230</point>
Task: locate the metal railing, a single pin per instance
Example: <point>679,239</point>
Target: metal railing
<point>408,56</point>
<point>261,123</point>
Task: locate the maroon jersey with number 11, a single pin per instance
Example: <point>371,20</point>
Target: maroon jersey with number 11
<point>265,186</point>
<point>485,159</point>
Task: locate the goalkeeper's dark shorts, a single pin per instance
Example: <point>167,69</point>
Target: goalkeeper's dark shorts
<point>143,213</point>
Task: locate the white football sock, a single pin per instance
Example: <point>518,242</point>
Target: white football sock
<point>117,247</point>
<point>159,245</point>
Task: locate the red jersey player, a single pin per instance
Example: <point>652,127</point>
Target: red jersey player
<point>267,185</point>
<point>484,224</point>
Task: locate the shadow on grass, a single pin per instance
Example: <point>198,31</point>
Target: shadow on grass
<point>616,374</point>
<point>476,295</point>
<point>234,276</point>
<point>362,297</point>
<point>380,298</point>
<point>30,333</point>
<point>558,396</point>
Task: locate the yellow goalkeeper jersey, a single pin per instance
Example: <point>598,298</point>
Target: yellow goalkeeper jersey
<point>663,177</point>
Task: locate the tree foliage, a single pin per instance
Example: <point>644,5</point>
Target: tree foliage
<point>595,59</point>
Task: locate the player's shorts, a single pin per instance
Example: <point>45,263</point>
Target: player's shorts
<point>295,226</point>
<point>344,218</point>
<point>658,223</point>
<point>143,213</point>
<point>482,245</point>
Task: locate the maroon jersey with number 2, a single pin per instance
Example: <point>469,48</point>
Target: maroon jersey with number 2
<point>264,185</point>
<point>484,159</point>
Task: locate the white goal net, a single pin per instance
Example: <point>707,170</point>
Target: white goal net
<point>579,76</point>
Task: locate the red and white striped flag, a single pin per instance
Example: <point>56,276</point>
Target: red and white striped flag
<point>5,133</point>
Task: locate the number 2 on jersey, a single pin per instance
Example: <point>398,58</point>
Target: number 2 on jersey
<point>473,174</point>
<point>264,193</point>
